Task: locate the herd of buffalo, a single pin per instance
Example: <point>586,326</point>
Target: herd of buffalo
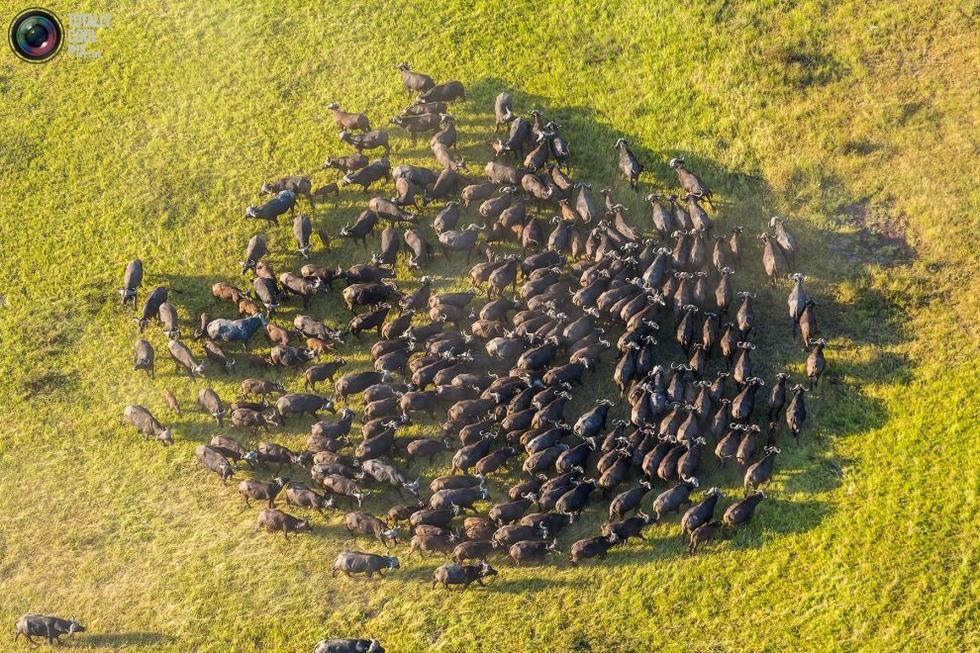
<point>571,281</point>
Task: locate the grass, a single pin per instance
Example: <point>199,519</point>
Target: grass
<point>854,119</point>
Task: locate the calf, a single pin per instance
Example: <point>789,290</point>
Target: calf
<point>320,194</point>
<point>276,335</point>
<point>274,521</point>
<point>366,524</point>
<point>145,423</point>
<point>227,292</point>
<point>465,575</point>
<point>172,401</point>
<point>248,308</point>
<point>319,347</point>
<point>808,322</point>
<point>355,562</point>
<point>702,534</point>
<point>49,627</point>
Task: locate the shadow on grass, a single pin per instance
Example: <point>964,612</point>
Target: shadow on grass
<point>535,584</point>
<point>122,640</point>
<point>742,198</point>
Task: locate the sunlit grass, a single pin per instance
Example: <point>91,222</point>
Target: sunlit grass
<point>810,111</point>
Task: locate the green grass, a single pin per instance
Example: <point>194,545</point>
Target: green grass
<point>817,111</point>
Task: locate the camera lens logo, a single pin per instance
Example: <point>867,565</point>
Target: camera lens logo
<point>36,35</point>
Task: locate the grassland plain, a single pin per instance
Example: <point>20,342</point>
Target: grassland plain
<point>855,119</point>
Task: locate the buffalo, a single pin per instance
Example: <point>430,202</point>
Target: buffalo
<point>49,627</point>
<point>355,562</point>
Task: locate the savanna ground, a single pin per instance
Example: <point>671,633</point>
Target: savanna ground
<point>856,120</point>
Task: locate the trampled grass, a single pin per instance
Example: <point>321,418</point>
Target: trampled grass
<point>856,120</point>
